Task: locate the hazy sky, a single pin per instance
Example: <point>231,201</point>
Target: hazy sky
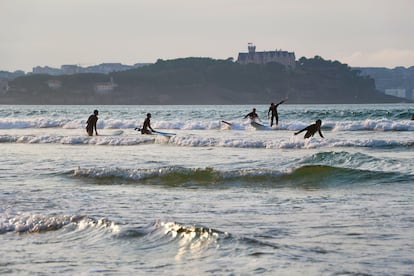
<point>86,32</point>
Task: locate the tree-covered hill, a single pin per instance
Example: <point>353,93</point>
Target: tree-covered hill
<point>203,81</point>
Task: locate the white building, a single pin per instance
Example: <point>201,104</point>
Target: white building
<point>286,58</point>
<point>69,69</point>
<point>397,92</point>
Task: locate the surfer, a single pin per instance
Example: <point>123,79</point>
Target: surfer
<point>273,110</point>
<point>91,123</point>
<point>147,125</point>
<point>312,129</point>
<point>252,115</point>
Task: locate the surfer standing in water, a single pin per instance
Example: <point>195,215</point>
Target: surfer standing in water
<point>312,129</point>
<point>147,125</point>
<point>91,123</point>
<point>273,109</point>
<point>252,115</point>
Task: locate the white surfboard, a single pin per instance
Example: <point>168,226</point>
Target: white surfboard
<point>107,132</point>
<point>169,134</point>
<point>258,126</point>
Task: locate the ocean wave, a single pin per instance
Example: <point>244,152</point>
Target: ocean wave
<point>185,241</point>
<point>188,237</point>
<point>79,139</point>
<point>373,125</point>
<point>37,223</point>
<point>175,176</point>
<point>317,175</point>
<point>377,124</point>
<point>191,140</point>
<point>360,162</point>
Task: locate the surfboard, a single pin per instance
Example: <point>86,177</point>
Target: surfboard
<point>164,133</point>
<point>110,132</point>
<point>116,132</point>
<point>169,134</point>
<point>258,126</point>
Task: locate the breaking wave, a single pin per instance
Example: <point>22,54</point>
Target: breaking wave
<point>316,175</point>
<point>37,223</point>
<point>191,140</point>
<point>335,124</point>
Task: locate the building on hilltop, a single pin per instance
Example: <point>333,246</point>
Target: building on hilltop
<point>284,57</point>
<point>46,70</point>
<point>69,69</point>
<point>106,68</point>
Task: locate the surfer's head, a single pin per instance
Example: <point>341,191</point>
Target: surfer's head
<point>96,112</point>
<point>318,122</point>
<point>148,115</point>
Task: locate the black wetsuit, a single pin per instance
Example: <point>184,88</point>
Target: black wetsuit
<point>91,124</point>
<point>146,126</point>
<point>311,130</point>
<point>252,115</point>
<point>273,109</point>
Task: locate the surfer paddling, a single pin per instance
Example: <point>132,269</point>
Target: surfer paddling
<point>312,129</point>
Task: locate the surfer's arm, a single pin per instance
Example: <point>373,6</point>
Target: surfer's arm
<point>282,102</point>
<point>320,133</point>
<point>250,115</point>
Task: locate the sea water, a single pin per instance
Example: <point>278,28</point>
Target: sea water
<point>213,199</point>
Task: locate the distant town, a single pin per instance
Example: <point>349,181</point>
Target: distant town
<point>398,82</point>
<point>70,69</point>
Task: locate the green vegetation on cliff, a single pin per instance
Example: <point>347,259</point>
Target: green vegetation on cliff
<point>203,81</point>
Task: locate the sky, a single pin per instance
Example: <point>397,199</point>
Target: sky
<point>360,33</point>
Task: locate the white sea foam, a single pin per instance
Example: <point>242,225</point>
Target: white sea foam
<point>367,124</point>
<point>376,125</point>
<point>192,140</point>
<point>33,223</point>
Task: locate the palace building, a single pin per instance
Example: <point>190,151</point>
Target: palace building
<point>284,57</point>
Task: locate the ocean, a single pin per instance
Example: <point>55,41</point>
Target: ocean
<point>213,199</point>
